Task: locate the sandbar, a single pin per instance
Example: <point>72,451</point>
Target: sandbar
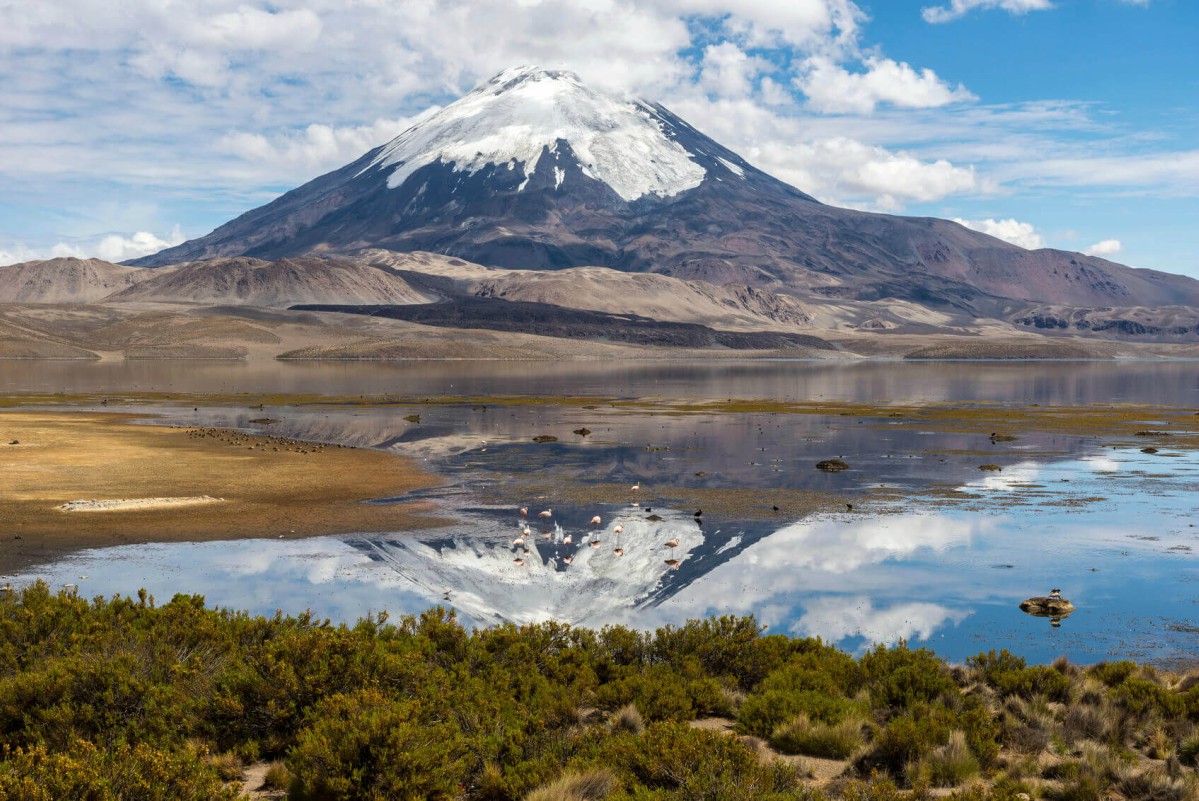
<point>152,483</point>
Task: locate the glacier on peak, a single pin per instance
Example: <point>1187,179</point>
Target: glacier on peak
<point>519,113</point>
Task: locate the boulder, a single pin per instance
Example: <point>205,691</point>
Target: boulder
<point>1047,606</point>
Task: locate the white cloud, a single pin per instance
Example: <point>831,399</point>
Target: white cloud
<point>315,147</point>
<point>959,8</point>
<point>117,248</point>
<point>849,170</point>
<point>1108,247</point>
<point>1014,231</point>
<point>833,619</point>
<point>833,89</point>
<point>727,71</point>
<point>15,254</point>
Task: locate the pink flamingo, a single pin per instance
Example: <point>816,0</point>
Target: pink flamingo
<point>595,521</point>
<point>546,513</point>
<point>524,511</point>
<point>568,539</point>
<point>671,543</point>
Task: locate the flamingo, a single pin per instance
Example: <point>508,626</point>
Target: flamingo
<point>673,564</point>
<point>635,487</point>
<point>618,551</point>
<point>595,543</point>
<point>525,531</point>
<point>518,561</point>
<point>524,511</point>
<point>519,541</point>
<point>527,551</point>
<point>595,521</point>
<point>568,539</point>
<point>546,513</point>
<point>674,543</point>
<point>567,560</point>
<point>618,528</point>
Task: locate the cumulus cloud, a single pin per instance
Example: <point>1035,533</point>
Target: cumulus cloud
<point>831,88</point>
<point>1108,247</point>
<point>16,253</point>
<point>834,619</point>
<point>316,146</point>
<point>960,8</point>
<point>849,169</point>
<point>1010,230</point>
<point>116,248</point>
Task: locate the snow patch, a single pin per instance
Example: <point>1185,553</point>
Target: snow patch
<point>733,168</point>
<point>522,112</point>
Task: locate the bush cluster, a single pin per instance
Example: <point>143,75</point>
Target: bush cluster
<point>122,698</point>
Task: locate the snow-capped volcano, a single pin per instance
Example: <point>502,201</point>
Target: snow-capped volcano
<point>524,112</point>
<point>536,170</point>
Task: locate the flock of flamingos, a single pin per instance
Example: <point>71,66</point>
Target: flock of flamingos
<point>522,542</point>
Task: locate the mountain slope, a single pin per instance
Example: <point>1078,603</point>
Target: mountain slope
<point>535,170</point>
<point>65,280</point>
<point>287,282</point>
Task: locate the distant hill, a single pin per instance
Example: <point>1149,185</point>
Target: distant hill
<point>65,280</point>
<point>282,283</point>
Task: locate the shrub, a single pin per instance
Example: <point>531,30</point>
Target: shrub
<point>361,745</point>
<point>694,763</point>
<point>125,773</point>
<point>1113,673</point>
<point>761,714</point>
<point>908,738</point>
<point>900,678</point>
<point>1010,676</point>
<point>802,736</point>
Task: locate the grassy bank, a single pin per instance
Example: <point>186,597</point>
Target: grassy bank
<point>124,698</point>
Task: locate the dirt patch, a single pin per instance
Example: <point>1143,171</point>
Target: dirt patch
<point>270,487</point>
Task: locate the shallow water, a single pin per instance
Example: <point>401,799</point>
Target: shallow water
<point>1110,526</point>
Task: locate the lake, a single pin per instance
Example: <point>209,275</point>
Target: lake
<point>934,550</point>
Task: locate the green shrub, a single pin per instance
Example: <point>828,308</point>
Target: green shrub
<point>899,678</point>
<point>761,714</point>
<point>1010,676</point>
<point>361,745</point>
<point>909,737</point>
<point>1113,673</point>
<point>125,773</point>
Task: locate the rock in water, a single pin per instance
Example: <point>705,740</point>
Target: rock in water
<point>1047,606</point>
<point>832,465</point>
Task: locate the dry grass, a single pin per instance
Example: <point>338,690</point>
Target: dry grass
<point>803,736</point>
<point>952,764</point>
<point>228,766</point>
<point>277,776</point>
<point>588,785</point>
<point>1155,784</point>
<point>628,718</point>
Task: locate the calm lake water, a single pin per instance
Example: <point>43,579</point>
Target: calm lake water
<point>1112,526</point>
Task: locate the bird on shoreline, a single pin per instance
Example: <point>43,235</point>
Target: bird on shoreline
<point>546,513</point>
<point>595,521</point>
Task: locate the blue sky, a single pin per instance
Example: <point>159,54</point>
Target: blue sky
<point>1059,123</point>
